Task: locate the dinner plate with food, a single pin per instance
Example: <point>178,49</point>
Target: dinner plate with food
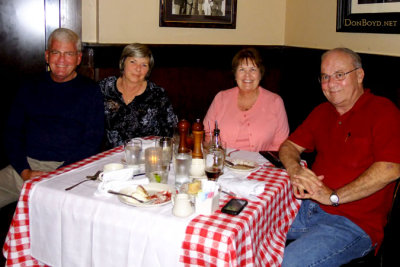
<point>148,195</point>
<point>241,165</point>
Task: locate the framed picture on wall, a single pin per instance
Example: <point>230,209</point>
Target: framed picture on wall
<point>198,13</point>
<point>369,16</point>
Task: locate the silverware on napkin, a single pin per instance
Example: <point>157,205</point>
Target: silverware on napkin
<point>88,178</point>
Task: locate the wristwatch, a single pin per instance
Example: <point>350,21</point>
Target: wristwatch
<point>334,198</point>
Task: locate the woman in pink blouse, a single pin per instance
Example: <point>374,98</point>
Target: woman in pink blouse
<point>249,116</point>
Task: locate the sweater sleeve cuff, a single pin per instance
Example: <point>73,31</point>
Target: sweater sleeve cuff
<point>20,166</point>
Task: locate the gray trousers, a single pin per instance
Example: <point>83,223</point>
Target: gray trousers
<point>11,182</point>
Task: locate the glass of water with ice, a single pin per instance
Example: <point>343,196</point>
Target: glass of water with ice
<point>166,144</point>
<point>182,165</point>
<point>133,150</point>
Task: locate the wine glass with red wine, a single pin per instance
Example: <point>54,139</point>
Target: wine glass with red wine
<point>214,162</point>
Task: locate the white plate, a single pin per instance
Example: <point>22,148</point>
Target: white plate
<point>151,188</point>
<point>252,165</point>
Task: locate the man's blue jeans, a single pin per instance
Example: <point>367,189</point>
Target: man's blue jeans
<point>323,239</point>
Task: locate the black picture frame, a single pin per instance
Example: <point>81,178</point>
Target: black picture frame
<point>365,22</point>
<point>212,18</point>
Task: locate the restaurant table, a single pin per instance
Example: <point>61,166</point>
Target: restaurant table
<point>70,221</point>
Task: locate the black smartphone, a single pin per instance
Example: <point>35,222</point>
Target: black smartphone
<point>234,206</point>
<point>273,157</point>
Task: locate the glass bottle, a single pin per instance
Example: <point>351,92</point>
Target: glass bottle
<point>216,138</point>
<point>214,156</point>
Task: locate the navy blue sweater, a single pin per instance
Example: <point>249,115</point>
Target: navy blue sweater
<point>55,121</point>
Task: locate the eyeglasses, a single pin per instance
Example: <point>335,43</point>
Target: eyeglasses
<point>66,54</point>
<point>337,76</point>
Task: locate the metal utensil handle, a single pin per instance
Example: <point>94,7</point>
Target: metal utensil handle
<point>228,193</point>
<point>69,188</point>
<point>125,195</point>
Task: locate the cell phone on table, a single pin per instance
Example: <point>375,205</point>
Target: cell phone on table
<point>273,157</point>
<point>234,206</point>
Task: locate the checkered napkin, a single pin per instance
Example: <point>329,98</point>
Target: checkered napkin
<point>255,237</point>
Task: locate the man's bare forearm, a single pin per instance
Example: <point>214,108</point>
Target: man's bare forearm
<point>376,177</point>
<point>289,154</point>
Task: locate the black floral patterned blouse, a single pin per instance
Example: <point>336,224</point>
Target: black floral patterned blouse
<point>150,113</point>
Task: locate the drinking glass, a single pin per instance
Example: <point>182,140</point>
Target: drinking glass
<point>166,144</point>
<point>153,165</point>
<point>182,165</point>
<point>133,150</point>
<point>214,162</point>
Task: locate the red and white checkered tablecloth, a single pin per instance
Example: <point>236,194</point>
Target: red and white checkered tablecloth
<point>255,237</point>
<point>17,245</point>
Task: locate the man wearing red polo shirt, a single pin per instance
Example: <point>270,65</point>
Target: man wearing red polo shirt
<point>348,193</point>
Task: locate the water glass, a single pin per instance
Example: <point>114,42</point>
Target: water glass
<point>154,167</point>
<point>166,144</point>
<point>182,165</point>
<point>133,150</point>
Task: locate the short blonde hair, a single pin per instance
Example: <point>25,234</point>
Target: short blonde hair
<point>139,51</point>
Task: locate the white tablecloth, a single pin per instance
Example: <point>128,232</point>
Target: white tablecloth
<point>83,228</point>
<point>214,240</point>
<point>80,228</point>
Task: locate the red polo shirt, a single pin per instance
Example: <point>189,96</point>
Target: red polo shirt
<point>346,146</point>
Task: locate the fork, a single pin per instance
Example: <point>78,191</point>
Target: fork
<point>126,195</point>
<point>88,178</point>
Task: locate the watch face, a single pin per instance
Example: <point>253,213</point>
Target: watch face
<point>334,199</point>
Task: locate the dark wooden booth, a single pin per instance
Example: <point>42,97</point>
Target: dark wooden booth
<point>193,74</point>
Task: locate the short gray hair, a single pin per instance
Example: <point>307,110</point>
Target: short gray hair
<point>139,51</point>
<point>65,35</point>
<point>354,56</point>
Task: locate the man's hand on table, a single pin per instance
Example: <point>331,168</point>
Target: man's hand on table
<point>307,185</point>
<point>28,174</point>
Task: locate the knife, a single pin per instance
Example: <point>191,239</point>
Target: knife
<point>273,159</point>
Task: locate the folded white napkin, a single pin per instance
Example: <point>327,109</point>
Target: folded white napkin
<point>103,187</point>
<point>117,175</point>
<point>242,187</point>
<point>116,180</point>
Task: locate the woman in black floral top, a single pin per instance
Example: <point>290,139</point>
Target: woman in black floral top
<point>135,106</point>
